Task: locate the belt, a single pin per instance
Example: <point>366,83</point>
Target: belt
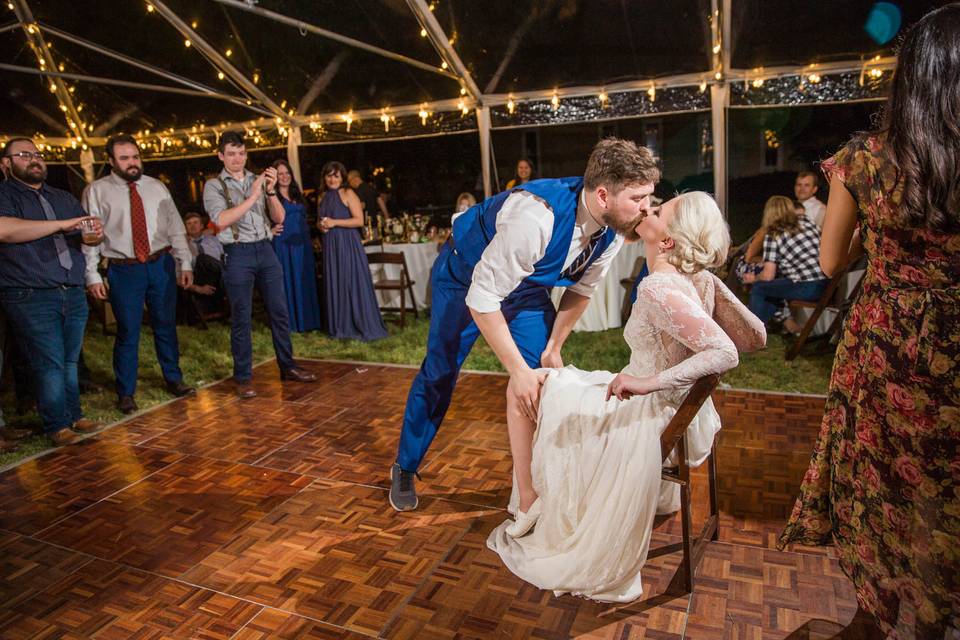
<point>153,257</point>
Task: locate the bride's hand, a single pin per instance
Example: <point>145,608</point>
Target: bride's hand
<point>625,386</point>
<point>525,386</point>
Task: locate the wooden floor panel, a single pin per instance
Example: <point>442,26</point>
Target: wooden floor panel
<point>212,517</point>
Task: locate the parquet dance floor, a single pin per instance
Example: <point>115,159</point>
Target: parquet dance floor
<point>212,517</point>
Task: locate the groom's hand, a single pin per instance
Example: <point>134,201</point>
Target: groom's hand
<point>551,359</point>
<point>525,386</point>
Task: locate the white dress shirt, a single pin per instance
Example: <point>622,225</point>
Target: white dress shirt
<point>109,199</point>
<point>254,225</point>
<point>524,229</point>
<point>814,210</point>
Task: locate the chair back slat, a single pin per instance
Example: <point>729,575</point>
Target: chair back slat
<point>686,412</point>
<point>386,257</point>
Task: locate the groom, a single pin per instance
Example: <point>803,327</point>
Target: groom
<point>494,277</point>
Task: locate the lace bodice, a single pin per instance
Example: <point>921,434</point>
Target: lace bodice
<point>684,327</point>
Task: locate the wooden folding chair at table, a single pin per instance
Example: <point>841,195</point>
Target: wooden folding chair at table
<point>833,299</point>
<point>674,436</point>
<point>403,284</point>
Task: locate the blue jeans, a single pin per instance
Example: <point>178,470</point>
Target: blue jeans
<point>49,324</point>
<point>130,286</point>
<point>767,296</point>
<point>530,316</point>
<point>250,264</point>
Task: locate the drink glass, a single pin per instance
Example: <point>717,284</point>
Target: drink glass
<point>88,233</point>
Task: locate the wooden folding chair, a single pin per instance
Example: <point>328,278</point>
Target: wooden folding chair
<point>832,300</point>
<point>674,436</point>
<point>403,284</point>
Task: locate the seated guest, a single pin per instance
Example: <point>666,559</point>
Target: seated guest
<point>41,284</point>
<point>207,261</point>
<point>524,173</point>
<point>374,204</point>
<point>351,303</point>
<point>791,262</point>
<point>464,201</point>
<point>295,252</point>
<point>805,188</point>
<point>143,232</point>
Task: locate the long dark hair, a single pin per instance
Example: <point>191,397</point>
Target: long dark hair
<point>921,121</point>
<point>295,194</point>
<point>333,167</point>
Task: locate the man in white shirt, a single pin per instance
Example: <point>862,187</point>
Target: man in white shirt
<point>141,228</point>
<point>494,275</point>
<point>805,189</point>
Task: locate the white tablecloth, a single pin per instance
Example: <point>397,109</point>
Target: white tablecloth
<point>603,312</point>
<point>420,259</point>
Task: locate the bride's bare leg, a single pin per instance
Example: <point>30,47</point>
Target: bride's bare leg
<point>521,431</point>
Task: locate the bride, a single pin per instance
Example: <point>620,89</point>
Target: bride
<point>587,474</point>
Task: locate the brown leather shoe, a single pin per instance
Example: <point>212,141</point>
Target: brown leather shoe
<point>298,375</point>
<point>245,390</point>
<point>64,437</point>
<point>180,388</point>
<point>127,405</point>
<point>6,446</point>
<point>86,426</point>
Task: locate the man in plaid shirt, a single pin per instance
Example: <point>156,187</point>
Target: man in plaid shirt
<point>791,271</point>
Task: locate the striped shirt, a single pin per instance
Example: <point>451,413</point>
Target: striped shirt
<point>34,264</point>
<point>797,256</point>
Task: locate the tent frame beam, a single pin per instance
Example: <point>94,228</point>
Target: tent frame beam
<point>218,60</point>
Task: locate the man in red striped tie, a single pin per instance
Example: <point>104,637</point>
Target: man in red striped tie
<point>142,227</point>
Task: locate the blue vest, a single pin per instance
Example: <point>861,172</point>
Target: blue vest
<point>475,228</point>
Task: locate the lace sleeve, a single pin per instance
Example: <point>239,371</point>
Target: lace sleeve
<point>685,319</point>
<point>745,329</point>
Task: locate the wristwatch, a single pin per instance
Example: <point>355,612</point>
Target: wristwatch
<point>271,193</point>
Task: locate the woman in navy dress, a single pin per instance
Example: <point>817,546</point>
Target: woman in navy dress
<point>295,253</point>
<point>352,310</point>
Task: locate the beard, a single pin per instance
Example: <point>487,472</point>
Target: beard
<point>130,174</point>
<point>626,228</point>
<point>31,174</point>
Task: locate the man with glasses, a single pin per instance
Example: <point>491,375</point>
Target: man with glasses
<point>41,284</point>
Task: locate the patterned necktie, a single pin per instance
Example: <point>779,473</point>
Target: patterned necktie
<point>138,223</point>
<point>581,260</point>
<point>63,251</point>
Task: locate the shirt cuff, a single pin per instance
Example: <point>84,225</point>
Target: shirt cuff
<point>585,290</point>
<point>93,278</point>
<point>482,301</point>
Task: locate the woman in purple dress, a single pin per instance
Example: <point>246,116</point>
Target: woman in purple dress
<point>352,310</point>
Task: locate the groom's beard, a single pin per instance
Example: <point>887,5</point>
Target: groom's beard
<point>626,228</point>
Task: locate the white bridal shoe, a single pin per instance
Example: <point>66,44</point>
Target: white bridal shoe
<point>525,520</point>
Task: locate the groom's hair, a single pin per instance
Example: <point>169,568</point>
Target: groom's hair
<point>616,163</point>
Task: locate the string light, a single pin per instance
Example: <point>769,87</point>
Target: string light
<point>385,118</point>
<point>220,75</point>
<point>462,105</point>
<point>187,43</point>
<point>423,33</point>
<point>555,101</point>
<point>150,8</point>
<point>876,73</point>
<point>703,85</point>
<point>424,114</point>
<point>256,78</point>
<point>716,48</point>
<point>228,52</point>
<point>348,118</point>
<point>463,91</point>
<point>443,65</point>
<point>31,29</point>
<point>193,25</point>
<point>718,75</point>
<point>511,105</point>
<point>814,78</point>
<point>652,92</point>
<point>603,97</point>
<point>757,83</point>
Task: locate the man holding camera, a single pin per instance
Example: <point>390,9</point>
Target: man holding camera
<point>245,208</point>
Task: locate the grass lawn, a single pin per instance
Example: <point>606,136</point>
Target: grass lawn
<point>206,357</point>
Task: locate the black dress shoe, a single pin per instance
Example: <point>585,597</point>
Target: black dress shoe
<point>180,388</point>
<point>245,390</point>
<point>127,405</point>
<point>298,375</point>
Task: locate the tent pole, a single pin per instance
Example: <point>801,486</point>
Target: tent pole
<point>441,43</point>
<point>39,45</point>
<point>483,123</point>
<point>719,101</point>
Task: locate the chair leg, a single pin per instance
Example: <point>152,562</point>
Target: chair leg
<point>794,350</point>
<point>403,307</point>
<point>413,300</point>
<point>685,515</point>
<point>712,480</point>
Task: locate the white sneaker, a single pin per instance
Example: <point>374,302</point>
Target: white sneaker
<point>525,520</point>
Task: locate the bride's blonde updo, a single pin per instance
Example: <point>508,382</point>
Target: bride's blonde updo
<point>700,234</point>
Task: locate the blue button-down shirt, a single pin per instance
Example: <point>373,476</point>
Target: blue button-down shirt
<point>34,264</point>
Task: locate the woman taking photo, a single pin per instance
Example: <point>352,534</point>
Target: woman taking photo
<point>883,480</point>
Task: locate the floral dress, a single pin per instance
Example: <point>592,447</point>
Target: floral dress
<point>884,476</point>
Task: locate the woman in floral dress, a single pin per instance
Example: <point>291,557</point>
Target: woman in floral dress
<point>884,478</point>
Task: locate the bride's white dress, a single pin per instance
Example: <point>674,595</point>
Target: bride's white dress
<point>596,462</point>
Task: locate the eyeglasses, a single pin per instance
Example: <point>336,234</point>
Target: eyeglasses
<point>27,155</point>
